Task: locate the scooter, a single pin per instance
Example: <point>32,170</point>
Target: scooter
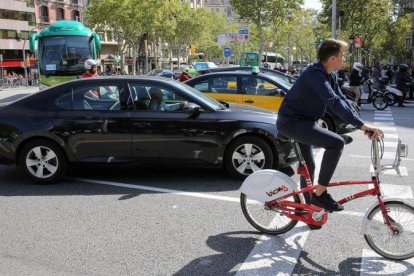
<point>377,97</point>
<point>390,91</point>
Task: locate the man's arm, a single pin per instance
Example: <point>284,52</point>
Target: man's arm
<point>321,86</point>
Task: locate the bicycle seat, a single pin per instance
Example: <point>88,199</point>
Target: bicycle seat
<point>347,139</point>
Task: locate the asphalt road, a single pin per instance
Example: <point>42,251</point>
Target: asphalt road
<point>140,221</point>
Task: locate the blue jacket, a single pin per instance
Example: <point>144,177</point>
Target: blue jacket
<point>313,92</point>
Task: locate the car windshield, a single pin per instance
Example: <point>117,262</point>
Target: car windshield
<point>212,103</point>
<point>64,55</point>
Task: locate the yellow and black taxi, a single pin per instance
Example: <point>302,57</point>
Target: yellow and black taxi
<point>256,89</point>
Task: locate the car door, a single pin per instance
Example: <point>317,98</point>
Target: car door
<point>93,121</point>
<point>260,92</point>
<point>170,134</point>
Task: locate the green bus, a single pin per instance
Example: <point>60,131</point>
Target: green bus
<point>249,59</point>
<point>61,51</point>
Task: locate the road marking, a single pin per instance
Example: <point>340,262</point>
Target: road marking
<point>385,128</point>
<point>378,119</point>
<point>403,171</point>
<point>391,136</point>
<point>383,114</point>
<point>390,144</point>
<point>374,264</point>
<point>392,190</point>
<point>160,190</point>
<point>275,255</point>
<point>384,123</point>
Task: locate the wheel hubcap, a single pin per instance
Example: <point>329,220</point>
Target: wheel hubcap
<point>42,162</point>
<point>248,158</point>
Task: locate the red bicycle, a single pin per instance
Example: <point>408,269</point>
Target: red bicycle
<point>272,204</point>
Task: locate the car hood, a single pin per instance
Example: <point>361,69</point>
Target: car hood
<point>252,113</point>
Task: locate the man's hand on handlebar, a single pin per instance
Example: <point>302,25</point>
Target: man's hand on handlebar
<point>372,132</point>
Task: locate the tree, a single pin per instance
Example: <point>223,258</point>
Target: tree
<point>265,13</point>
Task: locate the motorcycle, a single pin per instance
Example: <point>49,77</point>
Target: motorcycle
<point>378,98</point>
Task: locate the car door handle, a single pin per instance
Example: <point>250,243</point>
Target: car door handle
<point>249,101</point>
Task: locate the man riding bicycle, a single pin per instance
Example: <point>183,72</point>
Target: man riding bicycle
<point>315,90</point>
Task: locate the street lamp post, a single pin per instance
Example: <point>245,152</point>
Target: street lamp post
<point>24,58</point>
<point>334,19</point>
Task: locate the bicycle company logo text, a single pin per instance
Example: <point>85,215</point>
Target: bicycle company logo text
<point>275,191</point>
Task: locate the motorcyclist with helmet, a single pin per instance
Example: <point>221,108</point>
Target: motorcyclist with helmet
<point>91,69</point>
<point>355,82</point>
<point>402,80</point>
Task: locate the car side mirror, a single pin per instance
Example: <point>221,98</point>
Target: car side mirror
<point>192,109</point>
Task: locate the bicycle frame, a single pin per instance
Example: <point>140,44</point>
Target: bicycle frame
<point>314,215</point>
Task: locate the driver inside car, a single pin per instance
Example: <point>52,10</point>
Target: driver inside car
<point>157,102</point>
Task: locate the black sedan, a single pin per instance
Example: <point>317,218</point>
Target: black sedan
<point>144,120</point>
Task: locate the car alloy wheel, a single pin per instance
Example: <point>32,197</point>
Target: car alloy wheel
<point>247,155</point>
<point>325,122</point>
<point>43,161</point>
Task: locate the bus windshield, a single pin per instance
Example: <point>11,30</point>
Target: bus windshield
<point>64,55</point>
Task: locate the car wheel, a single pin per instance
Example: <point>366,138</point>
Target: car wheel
<point>43,161</point>
<point>246,155</point>
<point>326,122</point>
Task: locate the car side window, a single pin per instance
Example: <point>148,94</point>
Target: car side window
<point>227,85</point>
<point>202,86</point>
<point>92,97</point>
<point>151,97</point>
<point>258,86</point>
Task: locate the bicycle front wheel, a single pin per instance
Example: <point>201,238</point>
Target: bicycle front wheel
<point>392,246</point>
<point>264,219</point>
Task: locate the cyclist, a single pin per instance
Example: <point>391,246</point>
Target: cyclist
<point>315,90</point>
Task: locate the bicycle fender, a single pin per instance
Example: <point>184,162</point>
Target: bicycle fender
<point>267,185</point>
<point>365,223</point>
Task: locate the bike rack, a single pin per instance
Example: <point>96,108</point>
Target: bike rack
<point>377,151</point>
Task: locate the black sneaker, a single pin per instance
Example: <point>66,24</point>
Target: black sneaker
<point>325,201</point>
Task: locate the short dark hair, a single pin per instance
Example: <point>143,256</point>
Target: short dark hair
<point>330,47</point>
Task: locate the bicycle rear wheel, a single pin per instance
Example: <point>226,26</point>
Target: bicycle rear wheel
<point>264,219</point>
<point>392,246</point>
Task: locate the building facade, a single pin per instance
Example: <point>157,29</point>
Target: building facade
<point>49,11</point>
<point>194,4</point>
<point>17,20</point>
<point>223,7</point>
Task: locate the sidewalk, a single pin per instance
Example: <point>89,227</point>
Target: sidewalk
<point>12,94</point>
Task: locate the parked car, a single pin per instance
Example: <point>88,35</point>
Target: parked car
<point>204,65</point>
<point>261,90</point>
<point>166,73</point>
<point>108,120</point>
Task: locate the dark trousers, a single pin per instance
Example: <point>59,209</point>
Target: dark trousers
<point>309,134</point>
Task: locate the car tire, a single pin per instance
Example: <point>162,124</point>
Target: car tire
<point>43,161</point>
<point>326,122</point>
<point>246,155</point>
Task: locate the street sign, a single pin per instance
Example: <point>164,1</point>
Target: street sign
<point>221,39</point>
<point>244,30</point>
<point>227,52</point>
